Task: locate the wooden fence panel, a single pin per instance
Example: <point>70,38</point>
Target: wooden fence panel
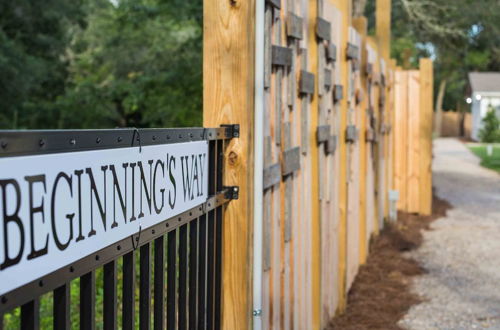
<point>414,146</point>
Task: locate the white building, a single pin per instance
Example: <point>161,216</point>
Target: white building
<point>484,92</point>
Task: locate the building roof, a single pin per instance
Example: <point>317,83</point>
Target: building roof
<point>485,81</point>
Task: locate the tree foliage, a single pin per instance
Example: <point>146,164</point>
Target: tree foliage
<point>97,64</point>
<point>490,132</point>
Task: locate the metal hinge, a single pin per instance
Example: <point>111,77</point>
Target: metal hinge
<point>232,192</point>
<point>232,131</point>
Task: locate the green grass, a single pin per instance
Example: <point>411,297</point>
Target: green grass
<point>493,161</point>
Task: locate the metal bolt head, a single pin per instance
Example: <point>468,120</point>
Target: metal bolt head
<point>41,143</point>
<point>3,144</point>
<point>72,142</point>
<point>98,140</point>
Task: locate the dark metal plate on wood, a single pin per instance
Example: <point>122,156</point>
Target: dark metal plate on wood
<point>274,3</point>
<point>338,93</point>
<point>351,134</point>
<point>370,135</point>
<point>291,161</point>
<point>272,176</point>
<point>294,26</point>
<point>306,85</point>
<point>281,56</point>
<point>328,78</point>
<point>382,79</point>
<point>352,51</point>
<point>331,52</point>
<point>369,69</point>
<point>323,133</point>
<point>323,29</point>
<point>331,144</point>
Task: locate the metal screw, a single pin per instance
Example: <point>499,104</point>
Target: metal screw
<point>41,143</point>
<point>120,139</point>
<point>257,312</point>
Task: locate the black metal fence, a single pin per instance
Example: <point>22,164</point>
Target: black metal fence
<point>178,285</point>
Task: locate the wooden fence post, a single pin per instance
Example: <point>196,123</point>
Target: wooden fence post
<point>228,98</point>
<point>426,120</point>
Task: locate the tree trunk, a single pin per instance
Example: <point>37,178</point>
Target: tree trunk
<point>439,107</point>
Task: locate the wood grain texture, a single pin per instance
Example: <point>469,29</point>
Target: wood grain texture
<point>361,25</point>
<point>426,120</point>
<point>401,137</point>
<point>228,98</point>
<point>414,145</point>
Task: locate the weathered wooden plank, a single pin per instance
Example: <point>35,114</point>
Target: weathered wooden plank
<point>306,84</point>
<point>323,29</point>
<point>272,175</point>
<point>304,113</point>
<point>328,79</point>
<point>291,161</point>
<point>294,26</point>
<point>426,120</point>
<point>281,56</point>
<point>268,23</point>
<point>331,52</point>
<point>352,51</point>
<point>414,143</point>
<point>323,133</point>
<point>338,93</point>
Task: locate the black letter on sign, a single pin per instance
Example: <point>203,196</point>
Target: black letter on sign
<point>187,176</point>
<point>33,210</point>
<point>162,164</point>
<point>69,180</point>
<point>171,201</point>
<point>144,184</point>
<point>78,174</point>
<point>14,217</point>
<point>93,191</point>
<point>123,200</point>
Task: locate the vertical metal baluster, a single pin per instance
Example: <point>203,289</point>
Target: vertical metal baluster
<point>193,273</point>
<point>159,313</point>
<point>87,301</point>
<point>110,296</point>
<point>183,263</point>
<point>171,277</point>
<point>128,295</point>
<point>218,238</point>
<point>145,288</point>
<point>30,315</point>
<point>202,271</point>
<point>61,311</point>
<point>212,189</point>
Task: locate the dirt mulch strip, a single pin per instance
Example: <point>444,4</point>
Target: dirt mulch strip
<point>381,293</point>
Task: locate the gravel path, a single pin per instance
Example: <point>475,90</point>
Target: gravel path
<point>462,251</point>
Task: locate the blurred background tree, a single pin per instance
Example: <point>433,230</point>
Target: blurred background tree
<point>100,63</point>
<point>460,36</point>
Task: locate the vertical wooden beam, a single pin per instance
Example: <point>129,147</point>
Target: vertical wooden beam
<point>312,44</point>
<point>361,24</point>
<point>383,27</point>
<point>414,144</point>
<point>344,7</point>
<point>426,120</point>
<point>228,98</point>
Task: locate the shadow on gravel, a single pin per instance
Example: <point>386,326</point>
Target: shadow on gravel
<point>381,293</point>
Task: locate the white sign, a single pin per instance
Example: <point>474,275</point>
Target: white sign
<point>58,208</point>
